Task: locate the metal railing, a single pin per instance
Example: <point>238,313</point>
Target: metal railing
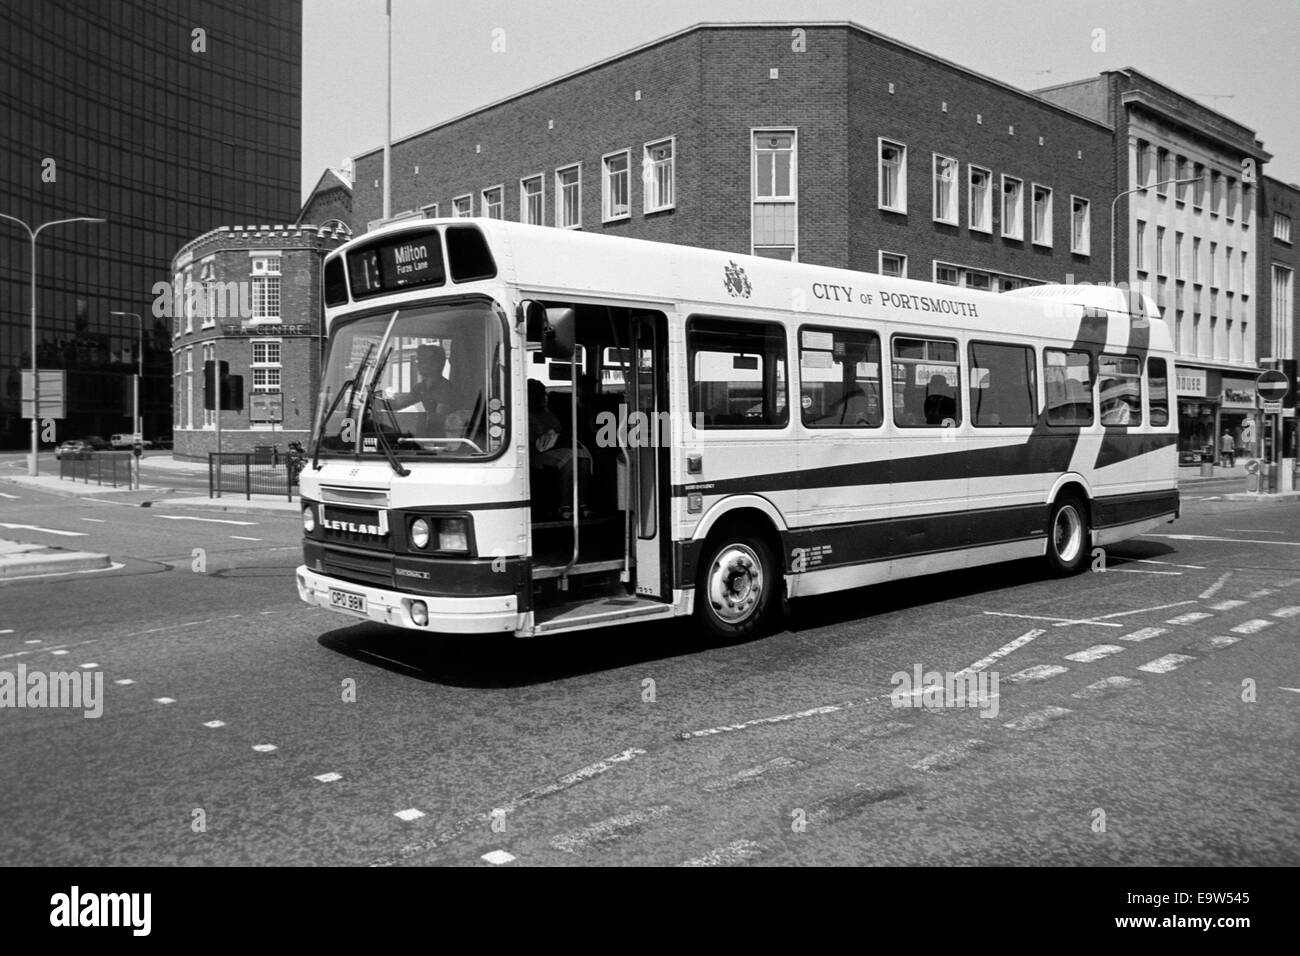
<point>103,467</point>
<point>252,473</point>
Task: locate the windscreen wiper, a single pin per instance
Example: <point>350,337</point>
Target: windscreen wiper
<point>368,404</point>
<point>349,388</point>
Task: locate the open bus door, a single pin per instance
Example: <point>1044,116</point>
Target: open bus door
<point>649,453</point>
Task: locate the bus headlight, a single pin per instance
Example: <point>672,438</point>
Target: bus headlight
<point>420,613</point>
<point>453,534</point>
<point>420,533</point>
<point>308,518</point>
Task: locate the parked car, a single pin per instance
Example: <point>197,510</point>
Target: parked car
<point>126,441</point>
<point>72,449</point>
<point>96,443</point>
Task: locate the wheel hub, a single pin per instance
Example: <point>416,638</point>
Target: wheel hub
<point>735,583</point>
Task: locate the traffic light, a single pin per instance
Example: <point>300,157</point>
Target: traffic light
<point>232,387</point>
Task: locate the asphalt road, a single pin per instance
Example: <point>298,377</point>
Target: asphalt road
<point>1151,719</point>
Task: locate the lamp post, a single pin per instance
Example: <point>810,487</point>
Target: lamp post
<point>32,468</point>
<point>137,427</point>
<point>1135,189</point>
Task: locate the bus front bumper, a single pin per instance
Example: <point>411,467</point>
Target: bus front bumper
<point>452,615</point>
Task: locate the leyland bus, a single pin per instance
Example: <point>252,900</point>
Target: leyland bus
<point>526,430</point>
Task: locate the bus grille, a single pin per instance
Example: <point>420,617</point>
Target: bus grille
<point>359,567</point>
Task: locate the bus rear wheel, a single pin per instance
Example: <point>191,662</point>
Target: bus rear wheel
<point>736,586</point>
<point>1067,536</point>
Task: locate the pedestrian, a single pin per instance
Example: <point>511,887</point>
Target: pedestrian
<point>1227,449</point>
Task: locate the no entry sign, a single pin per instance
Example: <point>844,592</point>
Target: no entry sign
<point>1272,386</point>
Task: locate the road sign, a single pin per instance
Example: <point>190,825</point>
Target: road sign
<point>1272,408</point>
<point>54,387</point>
<point>1272,386</point>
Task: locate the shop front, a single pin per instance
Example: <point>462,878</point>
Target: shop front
<point>1237,415</point>
<point>1197,416</point>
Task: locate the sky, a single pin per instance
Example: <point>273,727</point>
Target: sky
<point>1239,58</point>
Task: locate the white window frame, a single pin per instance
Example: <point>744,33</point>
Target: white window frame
<point>1019,234</point>
<point>955,184</point>
<point>1179,272</point>
<point>987,228</point>
<point>881,142</point>
<point>455,206</point>
<point>486,206</point>
<point>606,193</point>
<point>1160,251</point>
<point>1196,260</point>
<point>649,173</point>
<point>540,179</point>
<point>1047,217</point>
<point>1282,227</point>
<point>1084,249</point>
<point>793,195</point>
<point>207,283</point>
<point>934,273</point>
<point>209,353</point>
<point>559,197</point>
<point>1139,245</point>
<point>263,267</point>
<point>430,210</point>
<point>880,263</point>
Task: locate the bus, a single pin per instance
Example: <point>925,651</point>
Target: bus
<point>525,430</point>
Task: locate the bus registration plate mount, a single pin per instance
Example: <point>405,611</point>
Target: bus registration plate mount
<point>348,601</point>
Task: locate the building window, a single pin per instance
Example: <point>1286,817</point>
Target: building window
<point>839,378</point>
<point>531,200</point>
<point>1216,193</point>
<point>980,212</point>
<point>1178,255</point>
<point>1139,247</point>
<point>1180,191</point>
<point>893,176</point>
<point>208,293</point>
<point>1003,386</point>
<point>1247,202</point>
<point>737,373</point>
<point>657,172</point>
<point>1231,197</point>
<point>615,187</point>
<point>774,214</point>
<point>1162,171</point>
<point>494,205</point>
<point>927,383</point>
<point>1042,216</point>
<point>430,210</point>
<point>945,189</point>
<point>188,302</point>
<point>946,275</point>
<point>462,207</point>
<point>1245,274</point>
<point>1080,226</point>
<point>209,354</point>
<point>1198,194</point>
<point>568,193</point>
<point>1227,270</point>
<point>978,280</point>
<point>893,264</point>
<point>1160,250</point>
<point>1196,260</point>
<point>1214,254</point>
<point>188,420</point>
<point>1281,227</point>
<point>266,288</point>
<point>1013,207</point>
<point>1283,332</point>
<point>266,365</point>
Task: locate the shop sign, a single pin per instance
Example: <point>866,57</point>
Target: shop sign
<point>1191,381</point>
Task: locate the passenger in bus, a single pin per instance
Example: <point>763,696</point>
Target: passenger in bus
<point>940,406</point>
<point>552,457</point>
<point>431,390</point>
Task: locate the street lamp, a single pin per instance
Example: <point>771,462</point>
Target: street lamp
<point>1136,189</point>
<point>32,468</point>
<point>137,427</point>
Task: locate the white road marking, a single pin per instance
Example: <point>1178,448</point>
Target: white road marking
<point>409,815</point>
<point>1211,537</point>
<point>1253,531</point>
<point>497,858</point>
<point>1214,588</point>
<point>738,851</point>
<point>1145,634</point>
<point>1262,592</point>
<point>25,642</point>
<point>208,520</point>
<point>58,653</point>
<point>759,721</point>
<point>1039,718</point>
<point>9,496</point>
<point>33,527</point>
<point>750,774</point>
<point>240,537</point>
<point>1003,651</point>
<point>1094,653</point>
<point>328,777</point>
<point>264,748</point>
<point>1294,690</point>
<point>1190,618</point>
<point>1039,617</point>
<point>1223,640</point>
<point>1287,611</point>
<point>1140,571</point>
<point>1251,627</point>
<point>950,755</point>
<point>87,667</point>
<point>1104,687</point>
<point>607,831</point>
<point>124,682</point>
<point>1227,605</point>
<point>214,724</point>
<point>96,520</point>
<point>1140,610</point>
<point>1037,672</point>
<point>1163,665</point>
<point>164,700</point>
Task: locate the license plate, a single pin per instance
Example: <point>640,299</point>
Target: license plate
<point>348,601</point>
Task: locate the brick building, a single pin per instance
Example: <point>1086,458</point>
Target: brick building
<point>1195,247</point>
<point>824,143</point>
<point>249,296</point>
<point>330,201</point>
<point>1279,211</point>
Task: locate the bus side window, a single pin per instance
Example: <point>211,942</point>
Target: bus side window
<point>1120,391</point>
<point>1158,392</point>
<point>839,378</point>
<point>1067,379</point>
<point>1003,390</point>
<point>737,373</point>
<point>927,383</point>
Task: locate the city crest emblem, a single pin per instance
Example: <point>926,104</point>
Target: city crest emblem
<point>736,281</point>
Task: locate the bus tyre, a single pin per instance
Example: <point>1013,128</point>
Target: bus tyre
<point>1068,536</point>
<point>736,587</point>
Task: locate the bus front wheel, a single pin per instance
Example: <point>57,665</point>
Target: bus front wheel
<point>1067,536</point>
<point>736,586</point>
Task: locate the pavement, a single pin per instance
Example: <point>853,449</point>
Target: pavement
<point>20,559</point>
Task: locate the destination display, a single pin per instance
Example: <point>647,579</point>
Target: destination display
<point>406,261</point>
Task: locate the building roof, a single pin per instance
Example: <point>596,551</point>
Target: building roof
<point>746,25</point>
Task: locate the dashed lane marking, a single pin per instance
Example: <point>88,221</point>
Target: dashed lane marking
<point>1287,611</point>
<point>1261,593</point>
<point>245,524</point>
<point>1294,690</point>
<point>96,520</point>
<point>1139,610</point>
<point>950,756</point>
<point>328,777</point>
<point>1172,564</point>
<point>1103,687</point>
<point>33,527</point>
<point>265,748</point>
<point>58,653</point>
<point>1059,621</point>
<point>1163,665</point>
<point>760,721</point>
<point>1252,531</point>
<point>1141,571</point>
<point>738,851</point>
<point>1003,651</point>
<point>776,765</point>
<point>609,830</point>
<point>214,724</point>
<point>26,642</point>
<point>497,857</point>
<point>87,667</point>
<point>1144,634</point>
<point>9,496</point>
<point>1251,627</point>
<point>1094,653</point>
<point>1211,537</point>
<point>1227,605</point>
<point>1037,672</point>
<point>164,700</point>
<point>1223,640</point>
<point>1214,588</point>
<point>1189,618</point>
<point>240,537</point>
<point>124,682</point>
<point>409,815</point>
<point>1037,719</point>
